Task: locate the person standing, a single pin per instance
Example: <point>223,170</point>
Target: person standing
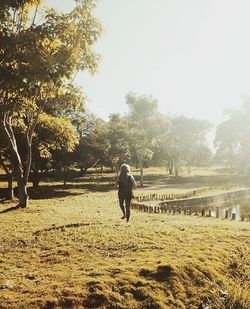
<point>126,183</point>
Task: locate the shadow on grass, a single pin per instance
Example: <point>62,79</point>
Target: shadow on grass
<point>62,227</point>
<point>162,273</point>
<point>54,191</point>
<point>3,194</point>
<point>59,191</point>
<point>10,209</point>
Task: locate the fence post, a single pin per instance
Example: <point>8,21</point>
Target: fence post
<point>226,213</point>
<point>217,212</point>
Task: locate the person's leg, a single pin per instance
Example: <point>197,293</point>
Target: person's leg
<point>128,205</point>
<point>121,202</point>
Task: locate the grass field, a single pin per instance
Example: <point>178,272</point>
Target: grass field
<point>70,249</point>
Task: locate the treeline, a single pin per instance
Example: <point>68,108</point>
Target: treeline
<point>232,139</point>
<point>44,125</point>
<point>41,51</point>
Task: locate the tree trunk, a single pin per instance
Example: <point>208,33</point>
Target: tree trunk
<point>176,170</point>
<point>170,167</point>
<point>36,177</point>
<point>17,162</point>
<point>29,159</point>
<point>22,191</point>
<point>10,192</point>
<point>64,176</point>
<point>10,187</point>
<point>141,171</point>
<point>141,167</point>
<point>81,169</point>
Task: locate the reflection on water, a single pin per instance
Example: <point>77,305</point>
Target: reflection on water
<point>237,209</point>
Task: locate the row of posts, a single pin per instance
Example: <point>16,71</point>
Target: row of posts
<point>171,209</point>
<point>204,212</point>
<point>171,196</point>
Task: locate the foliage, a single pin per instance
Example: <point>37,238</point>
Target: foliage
<point>233,138</point>
<point>93,144</point>
<point>187,142</point>
<point>143,126</point>
<point>118,137</point>
<point>38,61</point>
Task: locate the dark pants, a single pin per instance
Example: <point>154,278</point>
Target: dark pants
<point>125,204</point>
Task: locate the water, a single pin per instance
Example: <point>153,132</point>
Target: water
<point>238,209</point>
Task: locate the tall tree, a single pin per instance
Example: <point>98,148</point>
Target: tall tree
<point>51,134</point>
<point>232,140</point>
<point>187,142</point>
<point>38,61</point>
<point>93,144</point>
<point>118,137</point>
<point>141,117</point>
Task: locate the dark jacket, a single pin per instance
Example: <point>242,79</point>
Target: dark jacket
<point>125,189</point>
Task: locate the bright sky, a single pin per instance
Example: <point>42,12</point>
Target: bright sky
<point>193,56</point>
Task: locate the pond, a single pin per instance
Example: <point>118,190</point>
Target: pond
<point>237,209</point>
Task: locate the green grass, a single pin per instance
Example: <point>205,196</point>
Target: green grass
<point>72,250</point>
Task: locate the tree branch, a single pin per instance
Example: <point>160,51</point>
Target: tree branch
<point>34,17</point>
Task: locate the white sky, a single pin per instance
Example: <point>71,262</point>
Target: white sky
<point>191,55</point>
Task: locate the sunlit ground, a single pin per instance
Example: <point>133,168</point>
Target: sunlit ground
<point>72,250</point>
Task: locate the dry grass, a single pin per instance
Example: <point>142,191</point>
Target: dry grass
<point>74,251</point>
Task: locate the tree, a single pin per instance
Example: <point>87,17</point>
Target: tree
<point>232,139</point>
<point>118,137</point>
<point>5,163</point>
<point>93,144</point>
<point>38,61</point>
<point>187,142</point>
<point>51,134</point>
<point>142,115</point>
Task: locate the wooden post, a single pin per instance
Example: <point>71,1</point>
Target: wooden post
<point>209,212</point>
<point>226,214</point>
<point>203,212</point>
<point>217,212</point>
<point>233,216</point>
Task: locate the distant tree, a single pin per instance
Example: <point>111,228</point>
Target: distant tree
<point>118,138</point>
<point>186,143</point>
<point>51,134</point>
<point>93,144</point>
<point>232,140</point>
<point>38,60</point>
<point>143,126</point>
